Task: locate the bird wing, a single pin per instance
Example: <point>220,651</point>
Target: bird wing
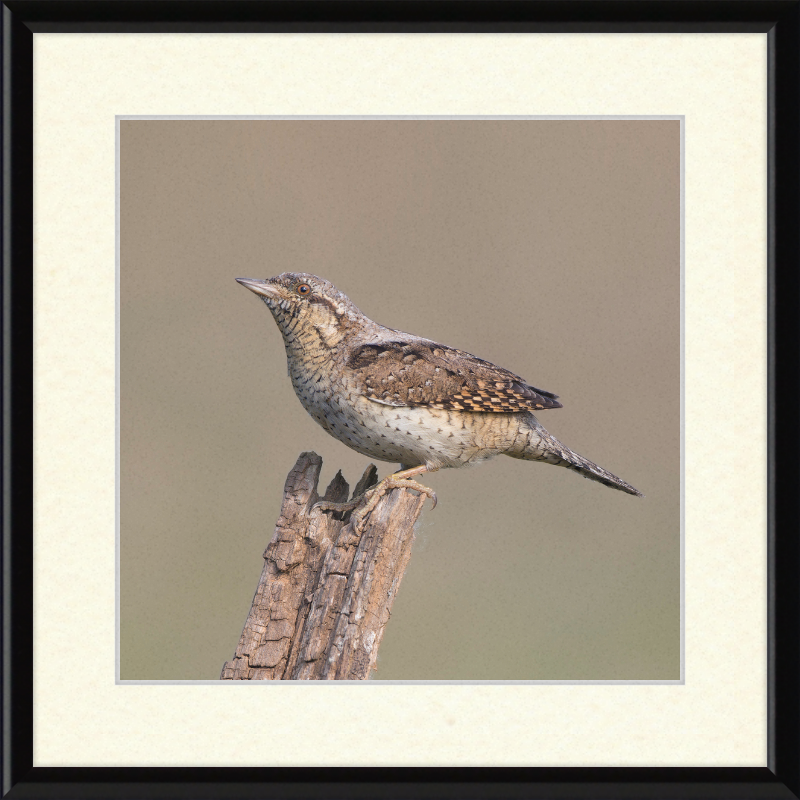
<point>423,373</point>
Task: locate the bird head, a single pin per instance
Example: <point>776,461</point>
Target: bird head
<point>302,303</point>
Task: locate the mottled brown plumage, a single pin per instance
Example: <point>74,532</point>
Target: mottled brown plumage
<point>401,373</point>
<point>397,397</point>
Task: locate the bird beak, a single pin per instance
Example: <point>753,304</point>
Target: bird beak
<point>263,288</point>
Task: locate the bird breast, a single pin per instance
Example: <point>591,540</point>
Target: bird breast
<point>400,434</point>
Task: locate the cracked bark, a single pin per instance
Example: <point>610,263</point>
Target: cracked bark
<point>326,589</point>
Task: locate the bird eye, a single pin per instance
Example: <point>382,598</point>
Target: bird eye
<point>303,288</point>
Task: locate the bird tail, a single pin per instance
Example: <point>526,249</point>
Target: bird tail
<point>542,446</point>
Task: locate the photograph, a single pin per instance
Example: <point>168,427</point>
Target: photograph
<point>304,297</point>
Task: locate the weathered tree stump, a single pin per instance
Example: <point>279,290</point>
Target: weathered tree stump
<point>327,587</point>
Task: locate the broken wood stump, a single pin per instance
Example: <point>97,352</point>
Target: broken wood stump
<point>327,587</point>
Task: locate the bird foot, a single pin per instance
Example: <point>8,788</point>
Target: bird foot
<point>373,496</point>
<point>376,492</point>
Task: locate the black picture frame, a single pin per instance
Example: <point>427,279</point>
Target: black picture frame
<point>780,18</point>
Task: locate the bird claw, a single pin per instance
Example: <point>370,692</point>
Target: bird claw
<point>407,483</point>
<point>372,496</point>
<point>376,492</point>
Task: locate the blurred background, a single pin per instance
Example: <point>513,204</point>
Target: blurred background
<point>550,247</point>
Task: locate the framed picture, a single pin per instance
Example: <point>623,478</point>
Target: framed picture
<point>603,212</point>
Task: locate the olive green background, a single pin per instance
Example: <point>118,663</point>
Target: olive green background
<point>550,247</point>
